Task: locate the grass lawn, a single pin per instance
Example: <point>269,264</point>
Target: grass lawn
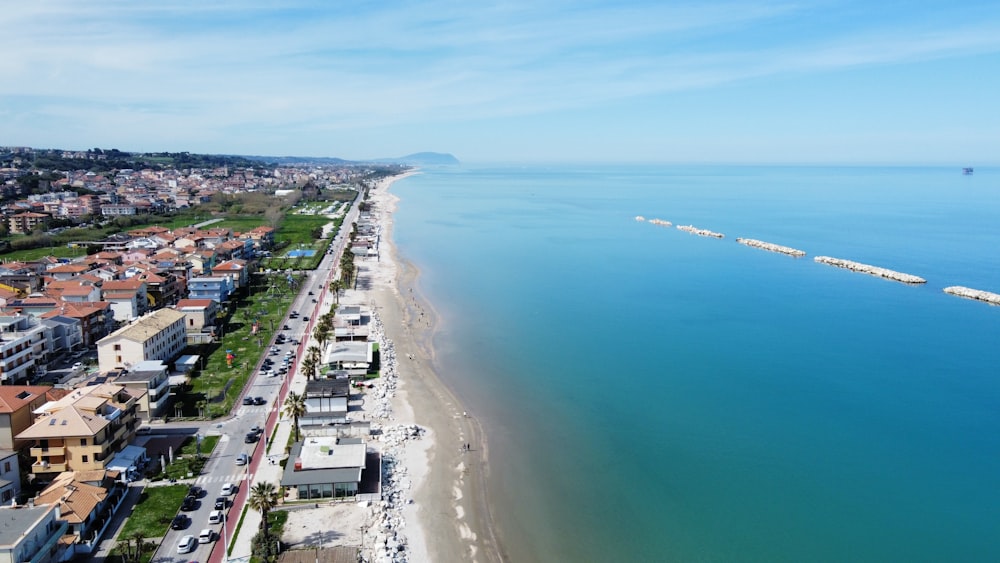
<point>156,507</point>
<point>36,253</point>
<point>215,388</point>
<point>186,460</point>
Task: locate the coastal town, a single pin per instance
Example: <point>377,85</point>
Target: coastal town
<point>204,385</point>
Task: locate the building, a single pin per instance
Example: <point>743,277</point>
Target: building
<point>86,500</point>
<point>159,335</point>
<point>30,534</point>
<point>17,404</point>
<point>200,314</point>
<point>349,358</point>
<point>217,288</point>
<point>83,430</point>
<point>24,345</point>
<point>96,320</point>
<point>24,223</point>
<point>326,402</point>
<point>10,477</point>
<point>324,467</point>
<point>152,378</point>
<point>127,297</point>
<point>235,268</point>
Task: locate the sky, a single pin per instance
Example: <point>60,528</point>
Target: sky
<point>885,82</point>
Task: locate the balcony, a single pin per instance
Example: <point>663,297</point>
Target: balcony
<point>58,451</point>
<point>46,467</point>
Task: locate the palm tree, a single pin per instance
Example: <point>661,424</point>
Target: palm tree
<point>314,355</point>
<point>309,366</point>
<point>336,286</point>
<point>295,406</point>
<point>263,497</point>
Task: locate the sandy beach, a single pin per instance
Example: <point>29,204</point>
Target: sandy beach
<point>434,505</point>
<point>449,519</point>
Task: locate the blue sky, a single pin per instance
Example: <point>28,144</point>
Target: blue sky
<point>756,82</point>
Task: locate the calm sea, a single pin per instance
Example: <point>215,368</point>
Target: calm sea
<point>651,395</point>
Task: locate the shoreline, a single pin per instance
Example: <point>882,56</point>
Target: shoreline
<point>450,499</point>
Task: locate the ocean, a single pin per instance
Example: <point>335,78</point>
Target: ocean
<point>651,395</point>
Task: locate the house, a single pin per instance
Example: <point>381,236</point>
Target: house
<point>324,467</point>
<point>64,272</point>
<point>10,476</point>
<point>83,430</point>
<point>350,323</point>
<point>216,288</point>
<point>350,358</point>
<point>127,297</point>
<point>86,500</point>
<point>326,402</point>
<point>17,402</point>
<point>24,345</point>
<point>152,378</point>
<point>65,334</point>
<point>159,335</point>
<point>96,320</point>
<point>235,268</point>
<point>200,314</point>
<point>31,534</point>
<point>263,237</point>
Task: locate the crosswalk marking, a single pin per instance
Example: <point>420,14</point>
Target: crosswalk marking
<point>233,478</point>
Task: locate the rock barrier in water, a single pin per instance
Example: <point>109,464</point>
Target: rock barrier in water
<point>700,232</point>
<point>867,269</point>
<point>771,246</point>
<point>977,294</point>
<point>660,222</point>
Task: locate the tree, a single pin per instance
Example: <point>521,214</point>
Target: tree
<point>295,406</point>
<point>133,547</point>
<point>263,497</point>
<point>336,286</point>
<point>309,366</point>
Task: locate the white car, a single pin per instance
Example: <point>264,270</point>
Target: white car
<point>206,536</point>
<point>228,489</point>
<point>77,366</point>
<point>216,517</point>
<point>187,544</point>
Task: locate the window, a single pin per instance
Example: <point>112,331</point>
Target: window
<point>85,458</point>
<point>6,496</point>
<point>83,441</point>
<point>6,467</point>
<point>118,346</point>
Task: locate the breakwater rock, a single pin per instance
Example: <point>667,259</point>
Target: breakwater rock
<point>771,246</point>
<point>977,294</point>
<point>700,232</point>
<point>640,218</point>
<point>867,269</point>
<point>660,222</point>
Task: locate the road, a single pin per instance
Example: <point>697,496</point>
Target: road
<point>221,467</point>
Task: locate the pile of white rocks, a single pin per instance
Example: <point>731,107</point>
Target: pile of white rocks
<point>388,541</point>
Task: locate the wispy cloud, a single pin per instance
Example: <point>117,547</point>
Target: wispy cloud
<point>227,64</point>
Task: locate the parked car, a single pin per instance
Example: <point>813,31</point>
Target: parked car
<point>259,401</point>
<point>189,504</point>
<point>257,430</point>
<point>310,293</point>
<point>195,491</point>
<point>77,366</point>
<point>247,400</point>
<point>143,430</point>
<point>229,489</point>
<point>179,522</point>
<point>206,536</point>
<point>216,516</point>
<point>250,438</point>
<point>187,544</point>
<point>242,459</point>
<point>220,503</point>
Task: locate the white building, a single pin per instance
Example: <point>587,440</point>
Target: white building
<point>159,335</point>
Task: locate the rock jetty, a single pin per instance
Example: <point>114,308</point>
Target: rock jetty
<point>771,247</point>
<point>867,269</point>
<point>700,232</point>
<point>640,218</point>
<point>660,222</point>
<point>977,294</point>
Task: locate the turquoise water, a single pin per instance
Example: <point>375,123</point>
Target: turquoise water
<point>651,395</point>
